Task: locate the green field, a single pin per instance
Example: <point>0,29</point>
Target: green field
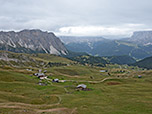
<point>119,93</point>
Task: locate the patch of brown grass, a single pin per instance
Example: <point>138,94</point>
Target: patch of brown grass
<point>113,83</point>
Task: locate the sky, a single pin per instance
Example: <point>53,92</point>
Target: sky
<point>77,17</point>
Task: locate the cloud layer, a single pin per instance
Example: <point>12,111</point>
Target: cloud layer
<point>121,31</point>
<point>77,17</point>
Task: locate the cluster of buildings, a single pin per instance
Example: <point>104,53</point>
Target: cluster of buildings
<point>42,76</point>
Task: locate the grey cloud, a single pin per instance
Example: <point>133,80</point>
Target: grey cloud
<point>54,14</point>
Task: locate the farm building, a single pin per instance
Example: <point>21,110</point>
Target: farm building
<point>82,86</point>
<point>102,70</point>
<point>42,77</point>
<point>139,76</point>
<point>39,74</point>
<point>55,80</point>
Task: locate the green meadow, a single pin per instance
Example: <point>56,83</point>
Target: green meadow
<point>119,93</point>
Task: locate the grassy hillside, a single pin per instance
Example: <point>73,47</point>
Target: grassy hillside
<point>101,61</point>
<point>30,60</point>
<point>117,93</point>
<point>91,60</point>
<point>121,59</point>
<point>145,63</point>
<point>50,58</point>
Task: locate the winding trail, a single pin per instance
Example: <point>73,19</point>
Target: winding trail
<point>94,81</point>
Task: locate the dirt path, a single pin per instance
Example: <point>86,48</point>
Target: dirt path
<point>85,80</point>
<point>11,106</point>
<point>8,105</point>
<point>74,110</point>
<point>52,110</point>
<point>93,81</point>
<point>23,105</point>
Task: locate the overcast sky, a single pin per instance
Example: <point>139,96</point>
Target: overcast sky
<point>77,17</point>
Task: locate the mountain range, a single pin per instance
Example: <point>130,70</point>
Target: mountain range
<point>32,41</point>
<point>138,46</point>
<point>81,49</point>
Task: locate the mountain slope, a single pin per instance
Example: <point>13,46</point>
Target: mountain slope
<point>101,61</point>
<point>112,48</point>
<point>145,63</point>
<point>121,59</point>
<point>30,60</point>
<point>91,60</point>
<point>31,41</point>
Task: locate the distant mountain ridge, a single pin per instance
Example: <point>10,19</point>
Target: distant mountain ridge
<point>31,41</point>
<point>80,39</point>
<point>142,37</point>
<point>138,46</point>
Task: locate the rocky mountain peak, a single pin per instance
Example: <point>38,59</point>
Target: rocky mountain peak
<point>142,37</point>
<point>32,41</point>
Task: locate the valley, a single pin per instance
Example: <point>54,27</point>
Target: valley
<point>75,57</point>
<point>138,46</point>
